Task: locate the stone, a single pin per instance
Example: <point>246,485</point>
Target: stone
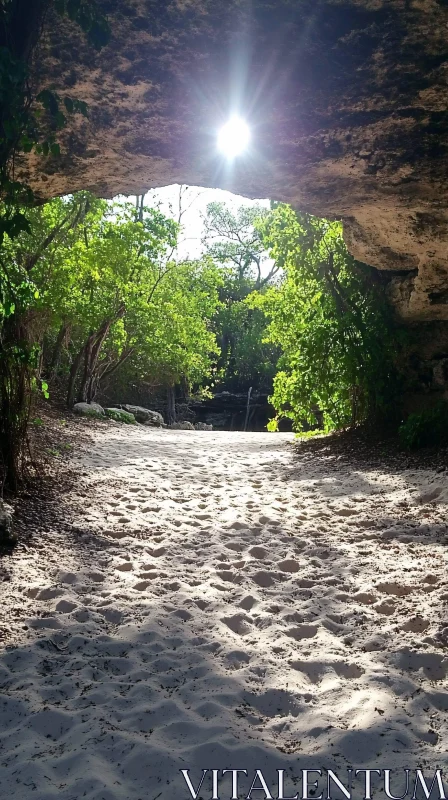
<point>182,426</point>
<point>119,415</point>
<point>8,537</point>
<point>347,108</point>
<point>202,426</point>
<point>89,410</point>
<point>144,415</point>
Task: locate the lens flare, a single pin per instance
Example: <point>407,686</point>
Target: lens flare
<point>234,137</point>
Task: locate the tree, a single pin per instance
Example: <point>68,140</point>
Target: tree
<point>234,242</point>
<point>27,123</point>
<point>235,238</point>
<point>107,288</point>
<point>26,263</point>
<point>340,349</point>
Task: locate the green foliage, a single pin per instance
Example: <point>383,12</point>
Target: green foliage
<point>103,294</point>
<point>27,123</point>
<point>428,428</point>
<point>339,345</point>
<point>120,416</point>
<point>235,245</point>
<point>89,18</point>
<point>233,238</point>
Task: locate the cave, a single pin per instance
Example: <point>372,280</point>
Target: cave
<point>346,101</point>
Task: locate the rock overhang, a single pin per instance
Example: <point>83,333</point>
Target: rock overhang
<point>347,102</point>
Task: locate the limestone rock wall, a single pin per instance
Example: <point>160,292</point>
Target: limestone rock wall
<point>347,100</point>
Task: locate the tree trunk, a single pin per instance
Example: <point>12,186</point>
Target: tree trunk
<point>185,386</point>
<point>92,349</point>
<point>86,374</point>
<point>170,405</point>
<point>15,398</point>
<point>74,369</point>
<point>56,355</point>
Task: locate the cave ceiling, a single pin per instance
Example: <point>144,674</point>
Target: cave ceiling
<point>347,103</point>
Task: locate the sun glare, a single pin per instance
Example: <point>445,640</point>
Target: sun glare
<point>234,137</point>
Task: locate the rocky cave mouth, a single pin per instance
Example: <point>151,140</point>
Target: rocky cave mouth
<point>347,102</point>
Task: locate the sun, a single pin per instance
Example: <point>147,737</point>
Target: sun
<point>234,137</point>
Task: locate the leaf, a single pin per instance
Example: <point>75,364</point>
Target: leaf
<point>60,119</point>
<point>49,100</point>
<point>99,33</point>
<point>68,102</point>
<point>18,223</point>
<point>82,108</point>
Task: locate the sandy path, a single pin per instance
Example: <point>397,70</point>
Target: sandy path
<point>216,601</point>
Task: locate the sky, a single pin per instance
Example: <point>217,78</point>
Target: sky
<point>194,204</point>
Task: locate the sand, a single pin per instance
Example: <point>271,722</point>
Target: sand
<point>221,602</point>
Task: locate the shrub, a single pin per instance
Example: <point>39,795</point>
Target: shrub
<point>120,416</point>
<point>425,429</point>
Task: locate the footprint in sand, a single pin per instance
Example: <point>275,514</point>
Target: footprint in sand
<point>48,593</point>
<point>416,624</point>
<point>202,604</point>
<point>258,552</point>
<point>236,546</point>
<point>113,615</point>
<point>116,534</point>
<point>236,659</point>
<point>302,632</point>
<point>306,583</point>
<point>274,703</point>
<point>150,576</point>
<point>238,623</point>
<point>264,579</point>
<point>247,602</point>
<point>289,565</point>
<point>397,589</point>
<point>51,724</point>
<point>141,585</point>
<point>316,670</point>
<point>97,577</point>
<point>366,598</point>
<point>387,608</point>
<point>183,614</point>
<point>295,617</point>
<point>127,566</point>
<point>433,580</point>
<point>263,520</point>
<point>227,575</point>
<point>157,551</point>
<point>65,607</point>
